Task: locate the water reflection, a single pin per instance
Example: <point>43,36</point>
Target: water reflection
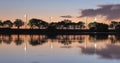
<point>104,46</point>
<point>18,40</point>
<point>109,52</point>
<point>7,39</point>
<point>35,40</point>
<point>95,38</point>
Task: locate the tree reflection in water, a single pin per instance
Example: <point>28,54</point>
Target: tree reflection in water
<point>66,40</point>
<point>7,39</point>
<point>19,40</point>
<point>95,38</point>
<point>37,41</point>
<point>81,39</point>
<point>1,39</point>
<point>117,38</point>
<point>113,39</point>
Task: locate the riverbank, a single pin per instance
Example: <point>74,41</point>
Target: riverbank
<point>55,31</point>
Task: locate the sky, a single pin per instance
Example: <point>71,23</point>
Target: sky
<point>58,9</point>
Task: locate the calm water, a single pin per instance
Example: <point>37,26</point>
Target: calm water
<point>59,49</point>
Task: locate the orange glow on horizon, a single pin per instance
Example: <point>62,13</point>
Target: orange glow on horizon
<point>58,19</point>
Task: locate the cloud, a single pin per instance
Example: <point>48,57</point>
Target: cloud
<point>111,12</point>
<point>67,16</point>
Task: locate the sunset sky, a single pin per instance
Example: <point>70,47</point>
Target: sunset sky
<point>60,9</point>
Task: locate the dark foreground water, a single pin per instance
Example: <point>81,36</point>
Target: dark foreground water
<point>59,49</point>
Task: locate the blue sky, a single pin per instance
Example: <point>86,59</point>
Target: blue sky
<point>12,9</point>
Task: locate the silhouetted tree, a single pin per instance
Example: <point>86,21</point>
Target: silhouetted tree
<point>72,25</point>
<point>63,24</point>
<point>113,24</point>
<point>41,24</point>
<point>117,27</point>
<point>1,24</point>
<point>92,25</point>
<point>80,25</point>
<point>8,23</point>
<point>98,26</point>
<point>37,22</point>
<point>68,24</point>
<point>33,22</point>
<point>18,23</point>
<point>52,26</point>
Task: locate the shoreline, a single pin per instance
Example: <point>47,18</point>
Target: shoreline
<point>56,31</point>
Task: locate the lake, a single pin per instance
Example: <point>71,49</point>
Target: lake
<point>59,49</point>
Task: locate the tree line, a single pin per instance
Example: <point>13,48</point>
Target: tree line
<point>64,24</point>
